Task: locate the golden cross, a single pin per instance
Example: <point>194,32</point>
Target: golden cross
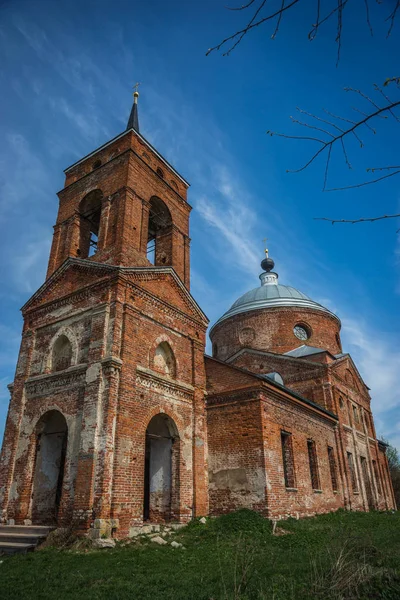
<point>135,87</point>
<point>265,246</point>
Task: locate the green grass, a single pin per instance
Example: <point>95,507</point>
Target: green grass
<point>341,555</point>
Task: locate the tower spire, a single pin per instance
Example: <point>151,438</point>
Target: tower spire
<point>133,122</point>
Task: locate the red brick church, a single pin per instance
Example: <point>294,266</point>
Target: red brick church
<point>117,417</point>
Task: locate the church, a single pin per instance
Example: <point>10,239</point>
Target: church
<point>118,418</point>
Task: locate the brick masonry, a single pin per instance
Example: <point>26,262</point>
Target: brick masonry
<point>116,416</point>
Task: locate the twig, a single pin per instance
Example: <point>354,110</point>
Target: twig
<point>392,17</point>
<point>241,7</point>
<point>353,221</point>
<point>248,28</point>
<point>364,183</point>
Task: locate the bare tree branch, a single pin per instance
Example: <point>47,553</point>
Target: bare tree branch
<point>353,221</point>
<point>392,17</point>
<point>367,16</point>
<point>363,184</point>
<point>335,10</point>
<point>250,26</point>
<point>241,7</point>
<point>339,134</point>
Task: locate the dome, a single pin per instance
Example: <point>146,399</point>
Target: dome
<point>271,294</point>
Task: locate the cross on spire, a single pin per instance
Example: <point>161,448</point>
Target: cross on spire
<point>133,122</point>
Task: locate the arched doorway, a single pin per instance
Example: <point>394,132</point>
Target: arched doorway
<point>51,447</point>
<point>161,472</point>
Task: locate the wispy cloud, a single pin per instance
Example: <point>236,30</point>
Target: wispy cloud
<point>29,265</point>
<point>22,175</point>
<point>230,213</point>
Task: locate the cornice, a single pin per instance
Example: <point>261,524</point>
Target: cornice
<point>156,382</point>
<point>43,385</point>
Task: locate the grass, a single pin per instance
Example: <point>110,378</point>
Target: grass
<point>234,557</point>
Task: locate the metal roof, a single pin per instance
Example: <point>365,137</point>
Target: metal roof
<point>304,351</point>
<point>271,294</point>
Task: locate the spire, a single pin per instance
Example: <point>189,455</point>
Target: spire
<point>267,264</point>
<point>133,122</point>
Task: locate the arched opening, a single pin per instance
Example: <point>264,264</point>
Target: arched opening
<point>164,360</point>
<point>161,471</point>
<point>90,214</point>
<point>61,357</point>
<point>51,448</point>
<point>159,241</point>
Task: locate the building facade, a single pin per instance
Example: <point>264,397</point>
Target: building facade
<point>116,415</point>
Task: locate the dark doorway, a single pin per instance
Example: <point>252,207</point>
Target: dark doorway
<point>161,469</point>
<point>48,478</point>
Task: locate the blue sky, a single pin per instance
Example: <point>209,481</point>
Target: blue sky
<point>67,70</point>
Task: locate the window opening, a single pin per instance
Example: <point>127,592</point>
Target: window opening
<point>160,172</point>
<point>377,479</point>
<point>287,457</point>
<point>312,459</point>
<point>90,214</point>
<point>159,241</point>
<point>332,468</point>
<point>151,251</point>
<point>352,471</point>
<point>97,164</point>
<point>355,413</point>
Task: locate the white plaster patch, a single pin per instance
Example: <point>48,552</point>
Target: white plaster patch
<point>93,372</point>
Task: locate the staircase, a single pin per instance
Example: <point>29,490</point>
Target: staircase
<point>21,538</point>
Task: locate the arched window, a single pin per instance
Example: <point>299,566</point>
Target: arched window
<point>164,360</point>
<point>90,214</point>
<point>62,354</point>
<point>159,241</point>
<point>160,172</point>
<point>97,164</point>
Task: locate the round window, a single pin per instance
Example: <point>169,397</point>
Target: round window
<point>301,332</point>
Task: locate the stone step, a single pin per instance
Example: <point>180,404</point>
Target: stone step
<point>24,538</point>
<point>40,530</point>
<point>15,547</point>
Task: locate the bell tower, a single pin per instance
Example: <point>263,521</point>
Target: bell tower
<point>106,424</point>
<point>124,205</point>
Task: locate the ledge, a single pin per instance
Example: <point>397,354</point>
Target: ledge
<point>317,491</point>
<point>164,378</point>
<point>291,489</point>
<point>55,374</point>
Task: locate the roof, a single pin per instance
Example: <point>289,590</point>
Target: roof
<point>271,294</point>
<point>304,351</point>
<point>272,382</point>
<point>133,121</point>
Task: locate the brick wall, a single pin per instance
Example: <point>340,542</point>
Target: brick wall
<point>272,330</point>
